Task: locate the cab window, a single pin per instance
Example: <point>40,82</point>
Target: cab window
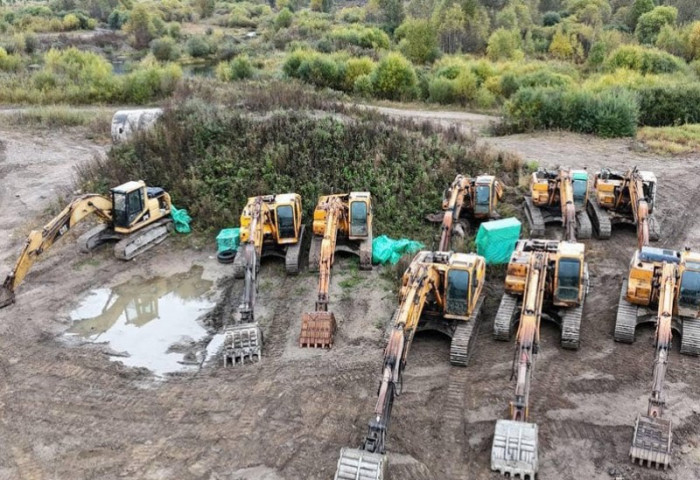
<point>690,289</point>
<point>483,195</point>
<point>580,187</point>
<point>358,219</point>
<point>285,221</point>
<point>457,292</point>
<point>568,281</point>
<point>135,204</point>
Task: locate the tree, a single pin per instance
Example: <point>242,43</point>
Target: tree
<point>140,26</point>
<point>205,8</point>
<point>639,8</point>
<point>392,13</point>
<point>649,24</point>
<point>451,29</point>
<point>418,40</point>
<point>504,45</point>
<point>394,78</point>
<point>693,42</point>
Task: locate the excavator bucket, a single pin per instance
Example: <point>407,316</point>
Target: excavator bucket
<point>242,342</point>
<point>317,330</point>
<point>514,450</point>
<point>7,296</point>
<point>355,464</point>
<point>651,442</point>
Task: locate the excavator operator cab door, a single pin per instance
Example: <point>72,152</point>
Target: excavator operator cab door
<point>127,206</point>
<point>286,223</point>
<point>569,272</point>
<point>484,196</point>
<point>360,213</point>
<point>458,292</point>
<point>580,187</point>
<point>689,291</point>
<point>649,185</point>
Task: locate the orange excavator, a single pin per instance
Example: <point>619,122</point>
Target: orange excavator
<point>441,291</point>
<point>341,222</point>
<point>669,280</point>
<point>270,225</point>
<point>559,195</point>
<point>467,197</point>
<point>625,198</point>
<point>550,280</point>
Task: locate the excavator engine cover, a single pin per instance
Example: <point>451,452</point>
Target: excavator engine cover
<point>355,464</point>
<point>317,330</point>
<point>242,342</point>
<point>514,450</point>
<point>652,441</point>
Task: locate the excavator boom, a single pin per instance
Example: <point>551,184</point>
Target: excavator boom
<point>39,241</point>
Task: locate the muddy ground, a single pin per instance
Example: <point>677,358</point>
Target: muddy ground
<point>69,412</point>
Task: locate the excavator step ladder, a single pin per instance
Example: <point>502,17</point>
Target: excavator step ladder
<point>317,330</point>
<point>651,442</point>
<point>355,464</point>
<point>242,343</point>
<point>514,450</point>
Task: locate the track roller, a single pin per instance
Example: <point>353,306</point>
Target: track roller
<point>503,323</point>
<point>463,339</point>
<point>626,319</point>
<point>534,218</point>
<point>600,219</point>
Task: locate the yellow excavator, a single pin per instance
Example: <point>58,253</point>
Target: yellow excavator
<point>137,217</point>
<point>625,198</point>
<point>545,279</point>
<point>559,195</point>
<point>663,287</point>
<point>467,197</point>
<point>440,291</point>
<point>270,226</point>
<point>342,222</point>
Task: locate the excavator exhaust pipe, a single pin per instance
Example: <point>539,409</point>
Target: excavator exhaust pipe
<point>651,442</point>
<point>317,330</point>
<point>514,450</point>
<point>7,296</point>
<point>356,464</point>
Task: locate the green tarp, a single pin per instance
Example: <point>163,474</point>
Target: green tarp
<point>228,239</point>
<point>496,240</point>
<point>387,250</point>
<point>181,219</point>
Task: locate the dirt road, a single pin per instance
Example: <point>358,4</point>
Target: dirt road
<point>71,412</point>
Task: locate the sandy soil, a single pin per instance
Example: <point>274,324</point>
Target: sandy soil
<point>69,412</point>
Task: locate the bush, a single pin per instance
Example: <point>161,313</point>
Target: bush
<point>418,40</point>
<point>9,63</point>
<point>669,105</point>
<point>71,22</point>
<point>239,68</point>
<point>283,19</point>
<point>364,37</point>
<point>649,24</point>
<point>466,87</point>
<point>513,81</point>
<point>165,49</point>
<point>148,83</point>
<point>613,113</point>
<point>363,86</point>
<point>352,15</point>
<point>504,45</point>
<point>442,90</point>
<point>198,46</point>
<point>356,67</point>
<point>550,18</point>
<point>644,60</point>
<point>394,78</point>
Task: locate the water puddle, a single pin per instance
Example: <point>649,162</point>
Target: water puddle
<point>148,323</point>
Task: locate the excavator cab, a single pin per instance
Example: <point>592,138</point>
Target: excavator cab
<point>288,218</point>
<point>463,280</point>
<point>487,191</point>
<point>128,204</point>
<point>570,275</point>
<point>580,186</point>
<point>689,288</point>
<point>360,215</point>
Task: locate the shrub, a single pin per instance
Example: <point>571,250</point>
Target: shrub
<point>550,18</point>
<point>419,40</point>
<point>649,24</point>
<point>117,19</point>
<point>140,26</point>
<point>613,113</point>
<point>504,45</point>
<point>71,22</point>
<point>644,60</point>
<point>512,81</point>
<point>165,49</point>
<point>639,8</point>
<point>198,46</point>
<point>9,63</point>
<point>442,90</point>
<point>596,55</point>
<point>394,78</point>
<point>465,87</point>
<point>693,41</point>
<point>352,15</point>
<point>563,46</point>
<point>323,71</point>
<point>363,86</point>
<point>669,105</point>
<point>239,68</point>
<point>283,19</point>
<point>148,83</point>
<point>356,67</point>
<point>364,37</point>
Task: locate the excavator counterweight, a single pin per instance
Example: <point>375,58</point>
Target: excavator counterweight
<point>440,291</point>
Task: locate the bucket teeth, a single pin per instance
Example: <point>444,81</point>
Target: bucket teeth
<point>317,330</point>
<point>242,343</point>
<point>355,464</point>
<point>514,450</point>
<point>651,444</point>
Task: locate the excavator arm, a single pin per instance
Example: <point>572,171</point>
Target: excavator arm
<point>652,433</point>
<point>568,208</point>
<point>452,206</point>
<point>39,241</point>
<point>318,327</point>
<point>369,461</point>
<point>640,209</point>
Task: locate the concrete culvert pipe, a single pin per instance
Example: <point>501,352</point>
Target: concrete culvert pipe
<point>126,122</point>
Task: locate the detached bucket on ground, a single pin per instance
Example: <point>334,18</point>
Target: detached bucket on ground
<point>514,450</point>
<point>317,330</point>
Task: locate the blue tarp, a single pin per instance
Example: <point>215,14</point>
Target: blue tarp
<point>496,240</point>
<point>181,219</point>
<point>387,250</point>
<point>228,239</point>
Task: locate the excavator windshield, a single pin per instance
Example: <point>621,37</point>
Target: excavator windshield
<point>580,188</point>
<point>690,289</point>
<point>127,206</point>
<point>358,219</point>
<point>457,292</point>
<point>483,199</point>
<point>568,281</point>
<point>285,221</point>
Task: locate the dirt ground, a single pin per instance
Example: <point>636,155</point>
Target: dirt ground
<point>70,412</point>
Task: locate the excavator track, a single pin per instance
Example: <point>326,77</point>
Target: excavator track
<point>534,218</point>
<point>291,257</point>
<point>651,442</point>
<point>654,229</point>
<point>626,320</point>
<point>503,323</point>
<point>571,328</point>
<point>600,220</point>
<point>584,227</point>
<point>315,253</point>
<point>463,339</point>
<point>356,464</point>
<point>95,237</point>
<point>242,342</point>
<point>144,239</point>
<point>690,340</point>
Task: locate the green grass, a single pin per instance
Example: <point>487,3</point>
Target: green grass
<point>678,140</point>
<point>56,117</point>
